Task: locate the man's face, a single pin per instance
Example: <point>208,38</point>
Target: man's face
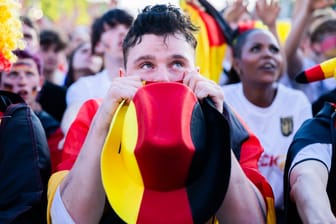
<point>31,39</point>
<point>23,79</point>
<point>112,39</point>
<point>50,57</point>
<point>326,45</point>
<point>158,59</point>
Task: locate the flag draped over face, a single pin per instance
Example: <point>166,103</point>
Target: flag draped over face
<point>212,44</point>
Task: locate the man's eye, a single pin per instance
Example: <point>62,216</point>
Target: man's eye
<point>178,64</point>
<point>146,65</point>
<point>30,74</point>
<point>27,36</point>
<point>13,74</point>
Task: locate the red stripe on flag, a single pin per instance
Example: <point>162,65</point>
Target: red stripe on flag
<point>315,74</point>
<point>163,206</point>
<point>214,33</point>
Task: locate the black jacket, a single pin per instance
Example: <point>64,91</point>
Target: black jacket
<point>24,157</point>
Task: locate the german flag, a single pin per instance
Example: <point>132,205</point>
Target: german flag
<point>212,44</point>
<point>166,161</point>
<point>318,72</point>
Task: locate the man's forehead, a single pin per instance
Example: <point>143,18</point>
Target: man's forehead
<point>172,43</point>
<point>27,62</point>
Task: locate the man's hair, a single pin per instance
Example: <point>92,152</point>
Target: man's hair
<point>112,18</point>
<point>52,37</point>
<point>29,22</point>
<point>24,54</point>
<point>96,31</point>
<point>161,20</point>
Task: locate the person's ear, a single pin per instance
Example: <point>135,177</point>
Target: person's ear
<point>42,79</point>
<point>121,72</point>
<point>235,66</point>
<point>99,48</point>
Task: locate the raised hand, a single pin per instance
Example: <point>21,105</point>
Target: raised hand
<point>268,11</point>
<point>233,13</point>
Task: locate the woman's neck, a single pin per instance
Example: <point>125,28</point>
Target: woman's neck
<point>262,96</point>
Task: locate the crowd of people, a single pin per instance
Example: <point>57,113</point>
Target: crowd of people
<point>120,126</point>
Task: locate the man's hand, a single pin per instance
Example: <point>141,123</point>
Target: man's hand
<point>203,87</point>
<point>122,88</point>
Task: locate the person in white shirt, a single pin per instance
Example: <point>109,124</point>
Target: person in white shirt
<point>107,36</point>
<point>272,111</point>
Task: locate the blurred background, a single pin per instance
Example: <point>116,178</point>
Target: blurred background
<point>81,12</point>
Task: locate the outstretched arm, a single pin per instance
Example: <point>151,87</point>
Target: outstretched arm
<point>308,181</point>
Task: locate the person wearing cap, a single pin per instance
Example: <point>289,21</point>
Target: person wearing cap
<point>309,179</point>
<point>309,42</point>
<point>130,169</point>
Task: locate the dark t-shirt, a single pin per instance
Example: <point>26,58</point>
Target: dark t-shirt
<point>328,97</point>
<point>52,99</point>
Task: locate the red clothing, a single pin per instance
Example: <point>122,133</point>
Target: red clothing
<point>77,133</point>
<point>55,153</point>
<point>245,145</point>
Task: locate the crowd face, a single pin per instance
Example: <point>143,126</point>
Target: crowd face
<point>51,57</point>
<point>30,37</point>
<point>326,45</point>
<point>112,40</point>
<point>84,60</point>
<point>261,60</point>
<point>157,58</point>
<point>23,79</point>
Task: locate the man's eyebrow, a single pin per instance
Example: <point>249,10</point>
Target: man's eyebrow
<point>20,63</point>
<point>144,58</point>
<point>178,56</point>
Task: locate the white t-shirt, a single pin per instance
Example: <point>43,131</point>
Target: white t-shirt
<point>95,86</point>
<point>59,214</point>
<point>274,126</point>
<point>317,151</point>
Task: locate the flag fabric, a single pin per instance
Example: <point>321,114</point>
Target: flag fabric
<point>318,72</point>
<point>212,45</point>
